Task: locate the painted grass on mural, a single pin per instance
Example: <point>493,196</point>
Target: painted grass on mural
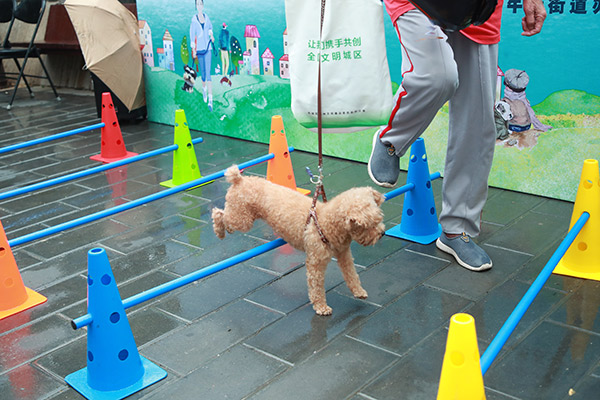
<point>549,164</point>
<point>243,110</point>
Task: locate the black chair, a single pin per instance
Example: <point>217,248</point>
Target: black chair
<point>30,12</point>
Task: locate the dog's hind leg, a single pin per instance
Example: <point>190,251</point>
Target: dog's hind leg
<point>315,276</point>
<point>346,264</point>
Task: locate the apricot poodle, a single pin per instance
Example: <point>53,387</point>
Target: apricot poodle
<point>352,215</point>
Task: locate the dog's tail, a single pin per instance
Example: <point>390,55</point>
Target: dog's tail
<point>218,223</point>
<point>233,174</point>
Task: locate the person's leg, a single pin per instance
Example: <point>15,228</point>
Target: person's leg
<point>429,80</point>
<point>203,73</point>
<point>207,66</point>
<point>471,137</point>
<point>223,62</point>
<point>471,141</point>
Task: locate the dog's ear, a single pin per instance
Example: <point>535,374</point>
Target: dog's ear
<point>378,197</point>
<point>363,212</point>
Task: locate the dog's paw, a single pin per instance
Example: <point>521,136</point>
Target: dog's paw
<point>323,310</point>
<point>218,225</point>
<point>360,293</point>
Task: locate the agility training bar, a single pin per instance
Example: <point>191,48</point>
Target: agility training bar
<point>509,326</point>
<point>87,172</point>
<point>132,204</point>
<point>50,138</point>
<point>149,294</point>
<point>407,188</point>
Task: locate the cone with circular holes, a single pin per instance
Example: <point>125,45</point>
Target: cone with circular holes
<point>582,259</point>
<point>115,368</point>
<point>112,147</point>
<point>461,377</point>
<point>279,168</point>
<point>419,217</point>
<point>185,164</point>
<point>14,296</point>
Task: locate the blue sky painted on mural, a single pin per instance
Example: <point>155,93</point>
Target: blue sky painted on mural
<point>566,55</point>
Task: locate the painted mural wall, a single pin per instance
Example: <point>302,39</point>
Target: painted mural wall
<point>555,104</point>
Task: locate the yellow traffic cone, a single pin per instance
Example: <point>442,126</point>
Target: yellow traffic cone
<point>461,377</point>
<point>582,259</point>
<point>279,168</point>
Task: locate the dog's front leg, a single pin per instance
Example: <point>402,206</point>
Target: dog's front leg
<point>315,275</point>
<point>346,264</point>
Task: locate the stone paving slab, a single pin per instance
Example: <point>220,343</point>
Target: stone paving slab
<point>249,332</point>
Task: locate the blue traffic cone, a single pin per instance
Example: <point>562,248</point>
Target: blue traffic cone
<point>115,368</point>
<point>419,218</point>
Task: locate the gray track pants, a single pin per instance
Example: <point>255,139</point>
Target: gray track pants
<point>438,67</point>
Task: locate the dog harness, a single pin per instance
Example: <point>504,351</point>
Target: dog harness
<point>312,213</point>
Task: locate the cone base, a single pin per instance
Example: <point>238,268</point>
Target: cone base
<point>563,269</point>
<point>303,191</point>
<point>106,160</point>
<point>170,184</point>
<point>152,374</point>
<point>33,299</point>
<point>397,232</point>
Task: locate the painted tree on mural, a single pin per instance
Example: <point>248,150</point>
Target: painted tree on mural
<point>236,53</point>
<point>185,52</point>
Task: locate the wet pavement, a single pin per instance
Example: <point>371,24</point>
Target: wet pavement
<point>248,331</point>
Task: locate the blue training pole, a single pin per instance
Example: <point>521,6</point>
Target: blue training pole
<point>184,280</point>
<point>87,172</point>
<point>49,138</point>
<point>515,317</point>
<point>408,187</point>
<point>149,294</point>
<point>127,206</point>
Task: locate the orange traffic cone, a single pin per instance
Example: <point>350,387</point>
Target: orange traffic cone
<point>14,296</point>
<point>279,168</point>
<point>112,147</point>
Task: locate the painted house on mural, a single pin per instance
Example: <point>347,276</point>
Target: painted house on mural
<point>267,61</point>
<point>246,66</point>
<point>284,67</point>
<point>252,36</point>
<point>146,41</point>
<point>284,61</point>
<point>162,61</point>
<point>168,51</point>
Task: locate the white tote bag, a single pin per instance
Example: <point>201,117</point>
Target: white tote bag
<point>356,89</point>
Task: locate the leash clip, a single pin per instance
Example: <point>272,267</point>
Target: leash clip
<point>316,180</point>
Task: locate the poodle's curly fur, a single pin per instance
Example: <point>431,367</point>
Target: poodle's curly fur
<point>353,215</point>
